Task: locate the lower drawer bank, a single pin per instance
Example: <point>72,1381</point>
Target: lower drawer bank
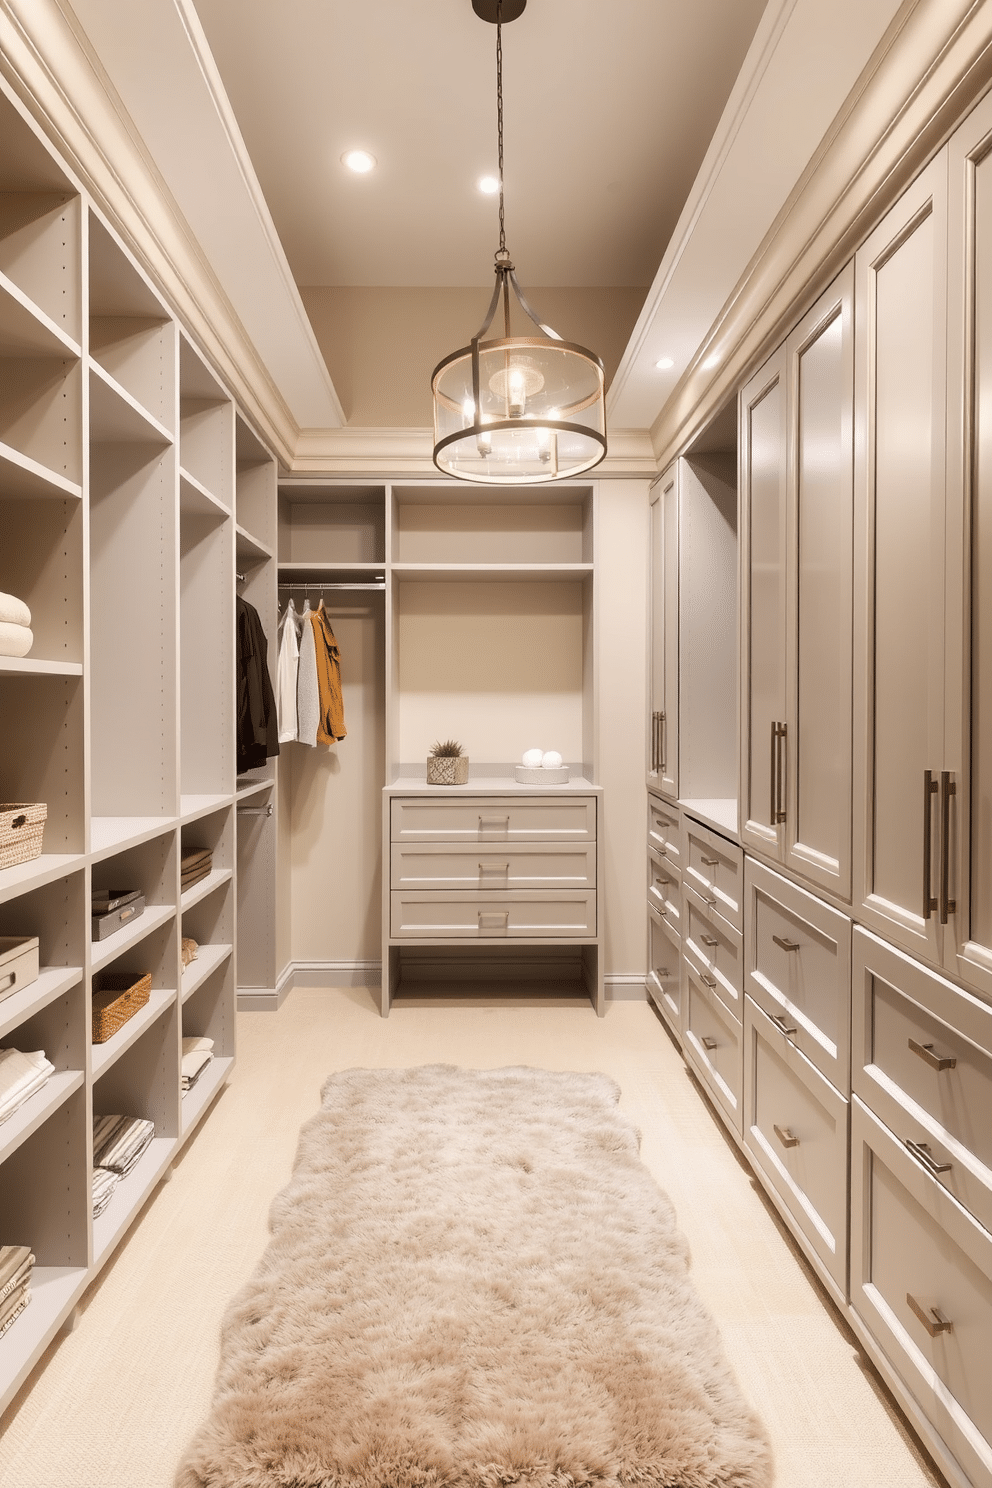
<point>552,913</point>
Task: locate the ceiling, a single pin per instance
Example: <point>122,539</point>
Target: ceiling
<point>609,107</point>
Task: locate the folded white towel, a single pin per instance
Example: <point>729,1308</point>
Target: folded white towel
<point>14,611</point>
<point>195,1045</point>
<point>15,640</point>
<point>20,1076</point>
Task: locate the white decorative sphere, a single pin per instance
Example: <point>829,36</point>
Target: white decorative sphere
<point>532,758</point>
<point>552,760</point>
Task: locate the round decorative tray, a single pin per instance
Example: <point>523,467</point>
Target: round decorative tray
<point>526,776</point>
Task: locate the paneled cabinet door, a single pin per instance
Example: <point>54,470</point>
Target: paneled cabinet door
<point>663,737</point>
<point>900,319</point>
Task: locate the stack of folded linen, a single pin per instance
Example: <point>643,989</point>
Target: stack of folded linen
<point>20,1076</point>
<point>16,638</point>
<point>197,1054</point>
<point>105,1180</point>
<point>188,950</point>
<point>16,1262</point>
<point>194,865</point>
<point>119,1141</point>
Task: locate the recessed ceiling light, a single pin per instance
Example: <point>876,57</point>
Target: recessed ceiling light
<point>664,363</point>
<point>489,185</point>
<point>711,361</point>
<point>359,161</point>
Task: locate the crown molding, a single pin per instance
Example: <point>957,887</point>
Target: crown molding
<point>408,452</point>
<point>932,64</point>
<point>52,69</point>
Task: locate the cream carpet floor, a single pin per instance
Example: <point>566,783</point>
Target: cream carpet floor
<point>115,1402</point>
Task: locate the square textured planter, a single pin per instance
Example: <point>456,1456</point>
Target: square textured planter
<point>447,769</point>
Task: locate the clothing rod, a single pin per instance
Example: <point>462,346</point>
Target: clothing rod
<point>321,588</point>
<point>239,576</point>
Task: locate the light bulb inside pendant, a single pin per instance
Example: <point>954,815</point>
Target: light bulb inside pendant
<point>515,383</point>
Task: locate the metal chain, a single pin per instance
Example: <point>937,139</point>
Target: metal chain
<point>499,117</point>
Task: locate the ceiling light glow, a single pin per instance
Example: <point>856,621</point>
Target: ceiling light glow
<point>711,361</point>
<point>663,363</point>
<point>359,161</point>
<point>489,185</point>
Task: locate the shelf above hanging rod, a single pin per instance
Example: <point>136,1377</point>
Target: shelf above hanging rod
<point>322,587</point>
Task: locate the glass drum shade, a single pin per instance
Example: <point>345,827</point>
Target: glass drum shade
<point>518,411</point>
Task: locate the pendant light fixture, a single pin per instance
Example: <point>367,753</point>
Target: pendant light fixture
<point>516,410</point>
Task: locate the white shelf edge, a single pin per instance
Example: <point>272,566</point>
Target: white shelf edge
<point>35,1111</point>
<point>37,872</point>
<point>105,951</point>
<point>33,666</point>
<point>186,478</point>
<point>495,572</point>
<point>148,419</point>
<point>55,1290</point>
<point>246,542</point>
<point>113,834</point>
<point>196,1101</point>
<point>204,806</point>
<point>50,983</point>
<point>104,1056</point>
<point>213,880</point>
<point>245,792</point>
<point>720,813</point>
<point>208,959</point>
<point>64,344</point>
<point>37,475</point>
<point>130,1194</point>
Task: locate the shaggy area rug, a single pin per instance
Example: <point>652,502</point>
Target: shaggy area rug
<point>473,1282</point>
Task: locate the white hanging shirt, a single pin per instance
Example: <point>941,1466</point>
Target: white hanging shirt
<point>307,691</point>
<point>287,674</point>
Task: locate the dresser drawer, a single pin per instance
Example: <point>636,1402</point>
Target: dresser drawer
<point>715,950</point>
<point>712,1041</point>
<point>436,865</point>
<point>909,1240</point>
<point>665,890</point>
<point>795,1128</point>
<point>493,819</point>
<point>922,1061</point>
<point>664,829</point>
<point>714,867</point>
<point>492,916</point>
<point>664,980</point>
<point>798,959</point>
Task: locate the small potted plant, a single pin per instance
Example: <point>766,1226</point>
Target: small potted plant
<point>446,765</point>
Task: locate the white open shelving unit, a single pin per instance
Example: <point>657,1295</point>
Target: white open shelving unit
<point>132,495</point>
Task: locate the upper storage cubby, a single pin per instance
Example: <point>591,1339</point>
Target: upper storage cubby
<point>328,526</point>
<point>438,526</point>
<point>206,429</point>
<point>255,486</point>
<point>132,339</point>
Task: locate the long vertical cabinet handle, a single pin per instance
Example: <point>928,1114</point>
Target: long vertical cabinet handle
<point>947,790</point>
<point>777,789</point>
<point>663,740</point>
<point>773,783</point>
<point>929,790</point>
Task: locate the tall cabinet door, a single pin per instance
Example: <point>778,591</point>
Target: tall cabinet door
<point>900,325</point>
<point>663,742</point>
<point>763,476</point>
<point>817,751</point>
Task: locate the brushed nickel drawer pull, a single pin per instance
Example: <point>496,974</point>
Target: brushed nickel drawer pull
<point>929,789</point>
<point>709,940</point>
<point>708,1043</point>
<point>948,906</point>
<point>661,971</point>
<point>783,1025</point>
<point>787,945</point>
<point>785,1136</point>
<point>490,823</point>
<point>707,981</point>
<point>935,1061</point>
<point>710,862</point>
<point>662,849</point>
<point>936,1323</point>
<point>709,899</point>
<point>494,919</point>
<point>922,1151</point>
<point>661,909</point>
<point>8,981</point>
<point>494,867</point>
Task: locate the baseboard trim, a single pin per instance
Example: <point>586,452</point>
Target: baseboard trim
<point>625,987</point>
<point>620,986</point>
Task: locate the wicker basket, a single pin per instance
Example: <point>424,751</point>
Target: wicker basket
<point>21,829</point>
<point>117,996</point>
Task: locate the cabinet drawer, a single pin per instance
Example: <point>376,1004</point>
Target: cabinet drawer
<point>910,1240</point>
<point>436,865</point>
<point>715,950</point>
<point>665,969</point>
<point>798,957</point>
<point>492,916</point>
<point>712,1042</point>
<point>714,867</point>
<point>795,1128</point>
<point>493,819</point>
<point>909,1022</point>
<point>664,829</point>
<point>665,890</point>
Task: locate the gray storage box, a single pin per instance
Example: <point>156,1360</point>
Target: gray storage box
<point>116,919</point>
<point>19,963</point>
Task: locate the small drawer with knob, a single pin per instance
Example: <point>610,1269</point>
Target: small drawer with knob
<point>665,890</point>
<point>795,1130</point>
<point>798,968</point>
<point>493,819</point>
<point>551,915</point>
<point>922,1061</point>
<point>715,950</point>
<point>665,829</point>
<point>524,865</point>
<point>712,1042</point>
<point>921,1281</point>
<point>714,867</point>
<point>664,979</point>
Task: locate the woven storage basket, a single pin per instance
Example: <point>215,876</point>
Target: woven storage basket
<point>21,828</point>
<point>447,769</point>
<point>117,996</point>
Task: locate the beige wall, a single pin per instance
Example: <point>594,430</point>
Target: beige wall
<point>381,345</point>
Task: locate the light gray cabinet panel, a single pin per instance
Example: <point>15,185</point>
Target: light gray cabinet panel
<point>712,1041</point>
<point>664,980</point>
<point>665,829</point>
<point>492,819</point>
<point>665,890</point>
<point>715,950</point>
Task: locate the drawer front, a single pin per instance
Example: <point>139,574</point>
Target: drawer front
<point>665,829</point>
<point>922,1062</point>
<point>665,969</point>
<point>665,890</point>
<point>798,958</point>
<point>712,1042</point>
<point>493,819</point>
<point>715,950</point>
<point>795,1128</point>
<point>492,916</point>
<point>435,865</point>
<point>714,867</point>
<point>910,1241</point>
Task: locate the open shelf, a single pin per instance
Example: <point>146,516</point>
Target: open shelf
<point>118,418</point>
<point>55,1290</point>
<point>22,476</point>
<point>196,501</point>
<point>247,546</point>
<point>720,814</point>
<point>196,1101</point>
<point>213,880</point>
<point>27,1118</point>
<point>52,981</point>
<point>492,572</point>
<point>105,1055</point>
<point>129,1196</point>
<point>25,330</point>
<point>193,807</point>
<point>255,788</point>
<point>29,667</point>
<point>153,915</point>
<point>24,877</point>
<point>112,834</point>
<point>208,959</point>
